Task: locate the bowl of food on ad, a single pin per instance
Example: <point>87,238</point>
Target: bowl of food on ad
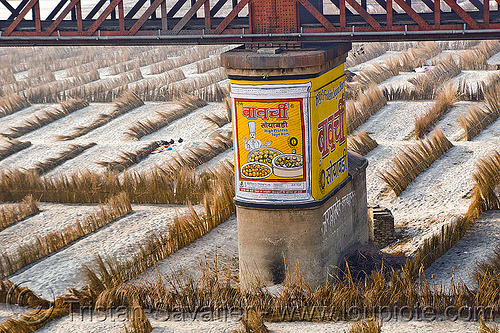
<point>288,165</point>
<point>255,170</point>
<point>263,155</point>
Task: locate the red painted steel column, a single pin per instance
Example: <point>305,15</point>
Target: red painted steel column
<point>389,13</point>
<point>36,14</point>
<point>206,7</point>
<point>486,13</point>
<point>437,12</point>
<point>79,22</point>
<point>342,13</point>
<point>121,16</point>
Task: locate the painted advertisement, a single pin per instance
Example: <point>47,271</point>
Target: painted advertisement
<point>270,140</point>
<point>329,138</point>
<point>290,138</point>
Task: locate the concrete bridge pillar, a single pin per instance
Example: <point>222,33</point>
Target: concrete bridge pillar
<point>300,196</point>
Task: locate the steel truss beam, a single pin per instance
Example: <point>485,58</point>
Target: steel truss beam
<point>221,21</point>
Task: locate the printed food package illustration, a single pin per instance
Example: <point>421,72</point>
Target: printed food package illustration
<point>290,137</point>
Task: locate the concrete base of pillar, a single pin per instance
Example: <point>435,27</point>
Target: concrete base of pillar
<point>274,239</point>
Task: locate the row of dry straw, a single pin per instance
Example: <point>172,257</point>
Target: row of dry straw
<point>412,160</point>
<point>478,118</point>
<point>361,143</point>
<point>47,117</point>
<point>29,252</point>
<point>187,104</point>
<point>11,147</point>
<point>14,213</point>
<point>123,104</point>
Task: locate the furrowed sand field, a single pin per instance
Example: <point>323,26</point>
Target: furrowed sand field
<point>92,215</point>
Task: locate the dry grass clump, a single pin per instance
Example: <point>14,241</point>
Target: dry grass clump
<point>116,207</point>
<point>205,65</point>
<point>361,143</point>
<point>174,183</point>
<point>124,67</point>
<point>47,117</point>
<point>12,146</point>
<point>478,118</point>
<point>11,293</point>
<point>155,88</point>
<point>127,159</point>
<point>403,62</point>
<point>487,179</point>
<point>104,90</point>
<point>73,104</point>
<point>483,328</point>
<point>220,121</point>
<point>363,53</point>
<point>376,74</point>
<point>49,164</point>
<point>187,104</point>
<point>196,156</point>
<point>81,69</point>
<point>213,93</point>
<point>471,91</point>
<point>427,85</point>
<point>178,89</point>
<point>475,120</point>
<point>445,100</point>
<point>126,102</point>
<point>53,92</point>
<point>367,104</point>
<point>476,58</point>
<point>138,322</point>
<point>163,66</point>
<point>32,320</point>
<point>109,275</point>
<point>12,103</point>
<point>17,212</point>
<point>366,326</point>
<point>416,57</point>
<point>413,160</point>
<point>252,322</point>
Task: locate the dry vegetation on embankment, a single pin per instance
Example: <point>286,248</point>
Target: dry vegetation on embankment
<point>480,117</point>
<point>16,212</point>
<point>123,104</point>
<point>12,103</point>
<point>173,183</point>
<point>47,117</point>
<point>177,183</point>
<point>361,143</point>
<point>11,147</point>
<point>71,152</point>
<point>187,104</point>
<point>414,159</point>
<point>28,253</point>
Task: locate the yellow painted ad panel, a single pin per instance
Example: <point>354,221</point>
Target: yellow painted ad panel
<point>270,139</point>
<point>290,139</point>
<point>329,138</point>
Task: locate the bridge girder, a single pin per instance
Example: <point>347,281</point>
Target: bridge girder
<point>254,22</point>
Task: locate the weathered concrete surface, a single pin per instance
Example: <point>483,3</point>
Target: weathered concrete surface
<point>314,238</point>
<point>313,60</point>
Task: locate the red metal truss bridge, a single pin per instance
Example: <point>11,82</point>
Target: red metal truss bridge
<point>256,22</point>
